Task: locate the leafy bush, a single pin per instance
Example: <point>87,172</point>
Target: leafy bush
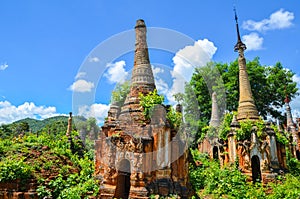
<point>224,128</point>
<point>174,117</point>
<point>281,137</point>
<point>11,169</point>
<point>288,189</point>
<point>149,101</point>
<point>294,166</point>
<point>74,185</point>
<point>211,181</point>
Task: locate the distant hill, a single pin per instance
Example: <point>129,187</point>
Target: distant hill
<point>36,125</point>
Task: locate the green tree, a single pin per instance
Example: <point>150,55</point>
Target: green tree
<point>89,128</point>
<point>197,99</point>
<point>269,85</point>
<point>5,131</point>
<point>280,81</point>
<point>92,128</point>
<point>120,92</point>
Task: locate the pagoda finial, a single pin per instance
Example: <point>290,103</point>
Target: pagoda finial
<point>239,45</point>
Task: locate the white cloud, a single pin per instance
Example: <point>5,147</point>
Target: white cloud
<point>10,113</point>
<point>94,59</point>
<point>161,86</point>
<point>253,41</point>
<point>3,66</point>
<point>186,60</point>
<point>82,86</point>
<point>98,111</point>
<point>278,20</point>
<point>296,79</point>
<point>116,72</point>
<point>156,70</point>
<point>80,75</point>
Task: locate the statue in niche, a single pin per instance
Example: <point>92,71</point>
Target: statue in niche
<point>139,146</point>
<point>244,154</point>
<point>266,155</point>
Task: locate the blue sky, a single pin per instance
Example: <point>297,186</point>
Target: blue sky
<point>46,44</point>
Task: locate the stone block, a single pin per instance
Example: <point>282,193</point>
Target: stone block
<point>30,195</point>
<point>18,195</point>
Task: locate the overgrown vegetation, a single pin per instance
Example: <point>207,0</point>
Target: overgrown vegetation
<point>153,100</point>
<point>39,151</point>
<point>51,161</point>
<point>244,132</point>
<point>120,92</point>
<point>149,101</point>
<point>209,180</point>
<point>269,84</point>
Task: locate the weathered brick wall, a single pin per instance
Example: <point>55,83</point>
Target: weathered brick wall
<point>18,190</point>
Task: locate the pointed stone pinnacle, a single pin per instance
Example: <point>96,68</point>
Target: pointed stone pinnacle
<point>142,72</point>
<point>215,119</point>
<point>142,79</point>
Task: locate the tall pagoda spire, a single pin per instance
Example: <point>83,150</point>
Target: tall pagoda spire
<point>289,118</point>
<point>290,127</point>
<point>142,79</point>
<point>142,74</point>
<point>246,108</point>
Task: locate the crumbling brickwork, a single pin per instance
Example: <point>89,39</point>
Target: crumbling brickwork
<point>136,156</point>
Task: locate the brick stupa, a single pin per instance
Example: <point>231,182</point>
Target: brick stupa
<point>135,156</point>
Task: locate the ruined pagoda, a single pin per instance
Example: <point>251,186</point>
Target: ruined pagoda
<point>142,79</point>
<point>291,129</point>
<point>135,156</point>
<point>210,144</point>
<point>246,108</point>
<point>259,155</point>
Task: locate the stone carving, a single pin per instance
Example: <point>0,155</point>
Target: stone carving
<point>244,155</point>
<point>128,143</point>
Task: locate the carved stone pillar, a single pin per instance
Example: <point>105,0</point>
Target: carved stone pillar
<point>273,148</point>
<point>174,159</point>
<point>231,139</point>
<point>147,158</point>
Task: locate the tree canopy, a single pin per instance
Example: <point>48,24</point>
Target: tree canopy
<point>269,85</point>
<point>120,92</point>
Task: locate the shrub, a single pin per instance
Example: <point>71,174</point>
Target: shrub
<point>149,101</point>
<point>14,169</point>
